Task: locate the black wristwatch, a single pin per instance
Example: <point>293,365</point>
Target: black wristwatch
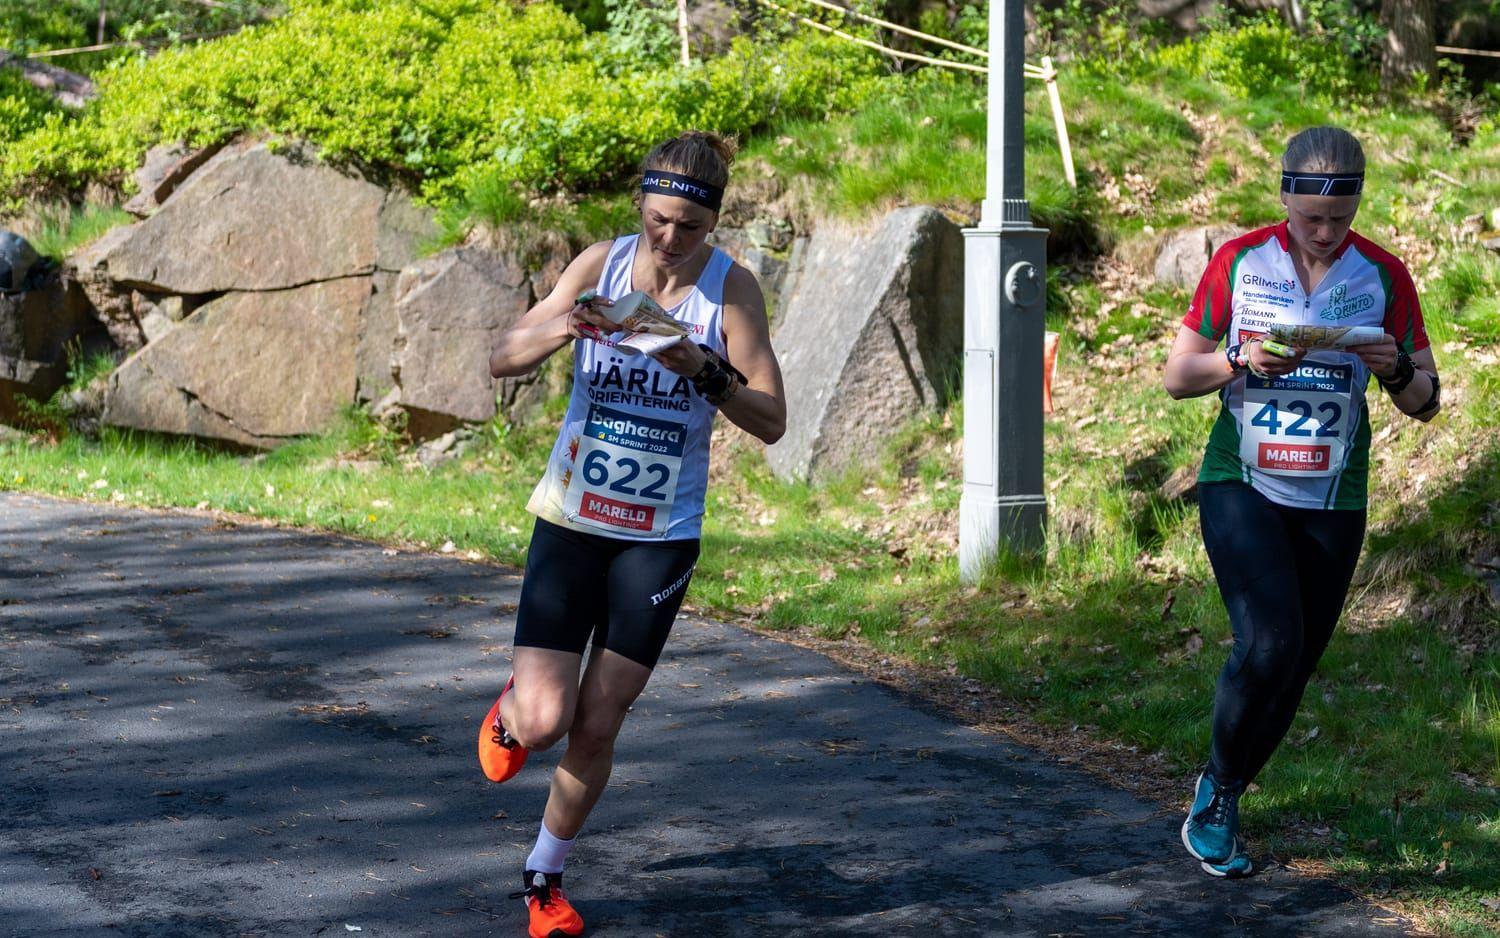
<point>1232,354</point>
<point>717,381</point>
<point>1405,371</point>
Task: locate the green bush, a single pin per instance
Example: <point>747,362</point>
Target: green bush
<point>23,108</point>
<point>1265,55</point>
<point>27,26</point>
<point>443,95</point>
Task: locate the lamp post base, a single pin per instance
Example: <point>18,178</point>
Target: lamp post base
<point>987,523</point>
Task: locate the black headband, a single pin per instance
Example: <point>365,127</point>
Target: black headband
<point>686,187</point>
<point>1322,183</point>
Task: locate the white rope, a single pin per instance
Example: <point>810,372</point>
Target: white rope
<point>900,29</point>
<point>875,45</point>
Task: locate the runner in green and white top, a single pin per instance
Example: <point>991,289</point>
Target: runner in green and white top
<point>1301,438</point>
<point>1308,311</point>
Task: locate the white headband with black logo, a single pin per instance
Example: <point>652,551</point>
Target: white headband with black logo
<point>1323,183</point>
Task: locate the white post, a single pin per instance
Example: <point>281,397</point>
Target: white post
<point>1005,278</point>
<point>682,30</point>
<point>1049,75</point>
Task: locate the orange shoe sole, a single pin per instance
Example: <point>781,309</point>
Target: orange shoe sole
<point>498,762</point>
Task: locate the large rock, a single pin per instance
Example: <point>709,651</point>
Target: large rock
<point>1184,255</point>
<point>871,336</point>
<point>253,369</point>
<point>251,219</point>
<point>163,170</point>
<point>36,327</point>
<point>113,304</point>
<point>761,250</point>
<point>377,340</point>
<point>450,309</point>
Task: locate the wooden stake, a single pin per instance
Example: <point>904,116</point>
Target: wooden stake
<point>1063,144</point>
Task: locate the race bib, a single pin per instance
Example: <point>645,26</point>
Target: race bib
<point>1295,425</point>
<point>625,473</point>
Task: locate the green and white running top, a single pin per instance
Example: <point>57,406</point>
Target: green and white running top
<point>1302,440</point>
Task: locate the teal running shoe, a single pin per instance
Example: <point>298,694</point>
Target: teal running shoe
<point>1211,830</point>
<point>1238,865</point>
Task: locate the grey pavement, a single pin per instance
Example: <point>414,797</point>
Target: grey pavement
<point>209,729</point>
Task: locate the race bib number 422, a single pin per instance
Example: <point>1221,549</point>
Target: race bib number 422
<point>625,472</point>
<point>1295,424</point>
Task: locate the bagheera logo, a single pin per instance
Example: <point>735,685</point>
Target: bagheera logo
<point>1342,306</point>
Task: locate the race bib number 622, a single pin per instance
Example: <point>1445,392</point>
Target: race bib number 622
<point>625,472</point>
<point>1294,425</point>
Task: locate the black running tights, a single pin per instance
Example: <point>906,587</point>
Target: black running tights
<point>1283,573</point>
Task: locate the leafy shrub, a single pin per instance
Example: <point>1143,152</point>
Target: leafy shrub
<point>23,108</point>
<point>1264,55</point>
<point>1108,35</point>
<point>26,26</point>
<point>29,26</point>
<point>441,95</point>
<point>642,31</point>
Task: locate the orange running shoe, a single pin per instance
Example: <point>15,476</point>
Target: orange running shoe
<point>552,915</point>
<point>500,756</point>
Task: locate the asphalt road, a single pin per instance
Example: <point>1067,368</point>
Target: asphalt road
<point>209,729</point>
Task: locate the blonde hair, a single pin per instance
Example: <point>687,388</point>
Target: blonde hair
<point>1323,150</point>
<point>700,154</point>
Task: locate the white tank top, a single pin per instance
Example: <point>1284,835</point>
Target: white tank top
<point>631,460</point>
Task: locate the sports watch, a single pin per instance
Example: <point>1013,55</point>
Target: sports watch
<point>718,380</point>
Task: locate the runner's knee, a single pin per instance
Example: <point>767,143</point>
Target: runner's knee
<point>1268,664</point>
<point>539,723</point>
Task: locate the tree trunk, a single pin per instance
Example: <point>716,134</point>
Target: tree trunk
<point>1409,43</point>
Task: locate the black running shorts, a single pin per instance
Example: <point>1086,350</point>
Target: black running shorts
<point>624,593</point>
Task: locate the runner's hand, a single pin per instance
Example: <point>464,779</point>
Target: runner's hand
<point>1379,357</point>
<point>1265,363</point>
<point>584,319</point>
<point>684,358</point>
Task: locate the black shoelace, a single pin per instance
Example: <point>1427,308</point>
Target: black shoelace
<point>541,887</point>
<point>502,738</point>
<point>1217,810</point>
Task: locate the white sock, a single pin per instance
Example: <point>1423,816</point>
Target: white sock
<point>549,853</point>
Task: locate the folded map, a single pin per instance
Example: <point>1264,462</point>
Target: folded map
<point>1312,337</point>
<point>651,328</point>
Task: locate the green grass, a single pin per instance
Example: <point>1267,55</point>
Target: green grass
<point>65,228</point>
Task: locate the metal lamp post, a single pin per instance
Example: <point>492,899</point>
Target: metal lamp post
<point>1005,278</point>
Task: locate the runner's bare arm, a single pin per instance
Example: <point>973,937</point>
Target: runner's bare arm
<point>544,328</point>
<point>1419,392</point>
<point>759,407</point>
<point>1197,366</point>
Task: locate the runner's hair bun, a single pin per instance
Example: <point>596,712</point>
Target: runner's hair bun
<point>700,154</point>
